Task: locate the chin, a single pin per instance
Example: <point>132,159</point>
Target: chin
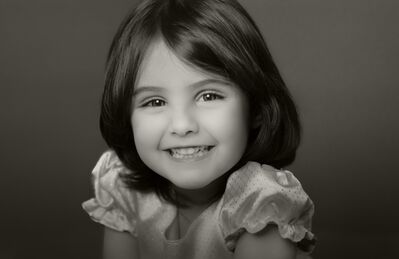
<point>190,184</point>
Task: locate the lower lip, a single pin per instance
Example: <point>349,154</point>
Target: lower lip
<point>191,159</point>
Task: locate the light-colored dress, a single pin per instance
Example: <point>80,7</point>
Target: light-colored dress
<point>255,195</point>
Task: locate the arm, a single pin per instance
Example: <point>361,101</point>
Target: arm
<point>267,244</point>
<point>119,245</point>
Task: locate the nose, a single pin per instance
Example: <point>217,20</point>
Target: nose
<point>183,122</point>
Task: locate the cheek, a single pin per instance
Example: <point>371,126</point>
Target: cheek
<point>146,131</point>
<point>237,129</point>
<point>230,124</point>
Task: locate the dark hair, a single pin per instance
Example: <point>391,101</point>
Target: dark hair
<point>217,36</point>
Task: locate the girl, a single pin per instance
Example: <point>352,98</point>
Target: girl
<point>193,109</point>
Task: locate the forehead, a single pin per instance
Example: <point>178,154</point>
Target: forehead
<point>161,66</point>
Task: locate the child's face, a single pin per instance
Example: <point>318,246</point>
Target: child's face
<point>189,127</point>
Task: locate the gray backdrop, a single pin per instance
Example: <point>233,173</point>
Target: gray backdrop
<point>339,58</point>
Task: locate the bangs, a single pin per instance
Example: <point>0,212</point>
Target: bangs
<point>214,37</point>
<point>217,37</point>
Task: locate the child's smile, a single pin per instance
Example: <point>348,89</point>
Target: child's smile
<point>191,153</point>
<point>189,127</point>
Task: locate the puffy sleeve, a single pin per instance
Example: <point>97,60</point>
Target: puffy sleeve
<point>113,204</point>
<point>258,195</point>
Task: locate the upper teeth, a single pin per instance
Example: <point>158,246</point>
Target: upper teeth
<point>188,150</point>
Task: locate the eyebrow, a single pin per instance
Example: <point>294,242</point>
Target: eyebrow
<point>150,88</point>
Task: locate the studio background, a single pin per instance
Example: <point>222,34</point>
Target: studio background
<point>340,60</point>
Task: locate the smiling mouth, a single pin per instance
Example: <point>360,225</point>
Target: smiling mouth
<point>189,152</point>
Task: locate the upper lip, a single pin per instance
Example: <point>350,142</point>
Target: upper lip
<point>188,146</point>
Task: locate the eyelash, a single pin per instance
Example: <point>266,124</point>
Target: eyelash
<point>215,95</point>
<point>151,102</point>
<point>211,93</point>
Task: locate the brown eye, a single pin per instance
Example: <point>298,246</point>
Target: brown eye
<point>206,97</point>
<point>154,103</point>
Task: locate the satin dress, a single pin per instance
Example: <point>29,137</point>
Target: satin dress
<point>256,195</point>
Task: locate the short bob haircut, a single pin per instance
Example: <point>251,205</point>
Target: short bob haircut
<point>216,36</point>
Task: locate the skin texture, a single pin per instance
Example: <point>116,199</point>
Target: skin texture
<point>267,244</point>
<point>176,105</point>
<point>119,245</point>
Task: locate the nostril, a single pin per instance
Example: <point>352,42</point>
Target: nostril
<point>182,132</point>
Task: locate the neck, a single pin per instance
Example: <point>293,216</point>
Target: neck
<point>201,197</point>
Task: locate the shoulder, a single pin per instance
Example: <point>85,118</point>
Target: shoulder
<point>106,177</point>
<point>108,167</point>
<point>113,204</point>
<point>255,177</point>
<point>257,196</point>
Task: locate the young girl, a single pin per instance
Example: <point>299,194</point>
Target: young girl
<point>197,118</point>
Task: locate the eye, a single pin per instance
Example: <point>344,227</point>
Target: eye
<point>210,96</point>
<point>154,103</point>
